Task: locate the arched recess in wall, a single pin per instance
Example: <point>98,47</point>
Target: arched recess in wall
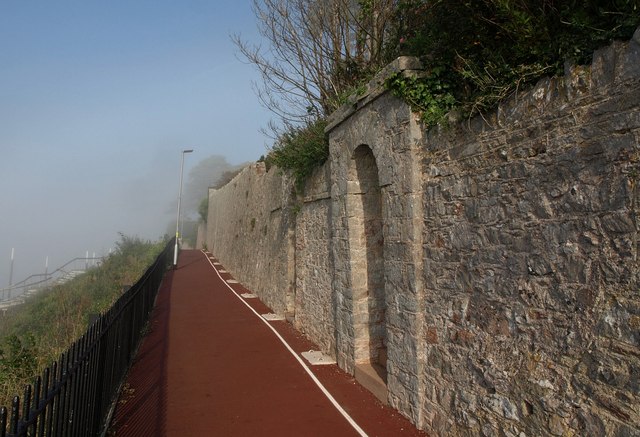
<point>366,248</point>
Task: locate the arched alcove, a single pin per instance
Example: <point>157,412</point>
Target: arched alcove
<point>366,252</point>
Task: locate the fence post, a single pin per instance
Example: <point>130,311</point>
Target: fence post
<point>15,415</point>
<point>26,408</point>
<point>3,421</point>
<point>97,399</point>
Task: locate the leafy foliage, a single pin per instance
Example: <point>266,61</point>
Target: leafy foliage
<point>300,150</point>
<point>480,51</point>
<point>203,209</point>
<point>17,361</point>
<point>476,53</point>
<point>430,95</point>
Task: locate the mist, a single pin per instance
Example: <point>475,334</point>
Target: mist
<point>60,220</point>
<point>206,173</point>
<point>97,101</point>
<point>203,175</point>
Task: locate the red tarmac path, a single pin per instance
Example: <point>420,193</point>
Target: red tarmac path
<point>209,366</point>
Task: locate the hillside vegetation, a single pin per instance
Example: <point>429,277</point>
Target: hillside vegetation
<point>35,334</point>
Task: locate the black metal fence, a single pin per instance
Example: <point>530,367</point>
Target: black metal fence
<point>73,396</point>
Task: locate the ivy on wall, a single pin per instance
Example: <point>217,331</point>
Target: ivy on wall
<point>477,52</point>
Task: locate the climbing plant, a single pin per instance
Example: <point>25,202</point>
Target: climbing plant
<point>477,52</point>
<point>300,150</point>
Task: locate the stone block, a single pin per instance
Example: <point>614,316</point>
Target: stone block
<point>627,61</point>
<point>577,83</point>
<point>603,67</point>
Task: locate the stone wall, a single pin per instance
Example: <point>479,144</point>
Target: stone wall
<point>381,128</point>
<point>489,270</point>
<point>314,302</point>
<point>250,230</point>
<point>201,235</point>
<point>530,260</point>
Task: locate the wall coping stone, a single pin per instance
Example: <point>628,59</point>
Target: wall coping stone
<point>408,66</point>
<point>569,83</point>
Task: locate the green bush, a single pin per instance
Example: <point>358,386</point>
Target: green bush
<point>203,209</point>
<point>300,150</point>
<point>430,94</point>
<point>480,51</point>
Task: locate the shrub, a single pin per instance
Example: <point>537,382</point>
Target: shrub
<point>203,209</point>
<point>480,51</point>
<point>300,150</point>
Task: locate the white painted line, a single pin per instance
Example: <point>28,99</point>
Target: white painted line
<point>229,281</point>
<point>317,358</point>
<point>272,316</point>
<point>222,271</point>
<point>302,363</point>
<point>248,295</point>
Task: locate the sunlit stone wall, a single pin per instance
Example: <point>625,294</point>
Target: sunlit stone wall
<point>508,249</point>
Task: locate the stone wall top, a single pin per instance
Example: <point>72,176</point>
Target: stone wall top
<point>406,65</point>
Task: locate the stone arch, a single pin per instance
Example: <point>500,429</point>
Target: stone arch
<point>366,247</point>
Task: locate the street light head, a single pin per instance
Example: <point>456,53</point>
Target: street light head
<point>187,151</point>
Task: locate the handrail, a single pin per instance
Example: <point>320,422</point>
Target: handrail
<point>50,276</point>
<point>74,395</point>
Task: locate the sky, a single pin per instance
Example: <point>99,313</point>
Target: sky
<point>97,101</point>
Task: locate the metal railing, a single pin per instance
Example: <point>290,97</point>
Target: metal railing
<point>39,281</point>
<point>74,395</point>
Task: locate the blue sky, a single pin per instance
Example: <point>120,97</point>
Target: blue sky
<point>97,99</point>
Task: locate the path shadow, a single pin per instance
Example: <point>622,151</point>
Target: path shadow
<point>142,404</point>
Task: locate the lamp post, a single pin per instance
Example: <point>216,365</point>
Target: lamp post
<point>175,252</point>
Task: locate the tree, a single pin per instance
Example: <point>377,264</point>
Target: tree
<point>203,209</point>
<point>317,53</point>
<point>203,175</point>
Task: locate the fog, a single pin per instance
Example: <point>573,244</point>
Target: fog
<point>97,101</point>
<point>58,214</point>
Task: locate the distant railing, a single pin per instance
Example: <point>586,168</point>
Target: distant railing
<point>73,396</point>
<point>16,292</point>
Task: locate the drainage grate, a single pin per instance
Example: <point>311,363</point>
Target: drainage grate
<point>248,295</point>
<point>231,281</point>
<point>272,316</point>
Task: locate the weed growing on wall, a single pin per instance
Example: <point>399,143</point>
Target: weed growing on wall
<point>429,95</point>
<point>477,52</point>
<point>300,150</point>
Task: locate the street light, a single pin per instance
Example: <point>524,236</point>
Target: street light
<point>175,252</point>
